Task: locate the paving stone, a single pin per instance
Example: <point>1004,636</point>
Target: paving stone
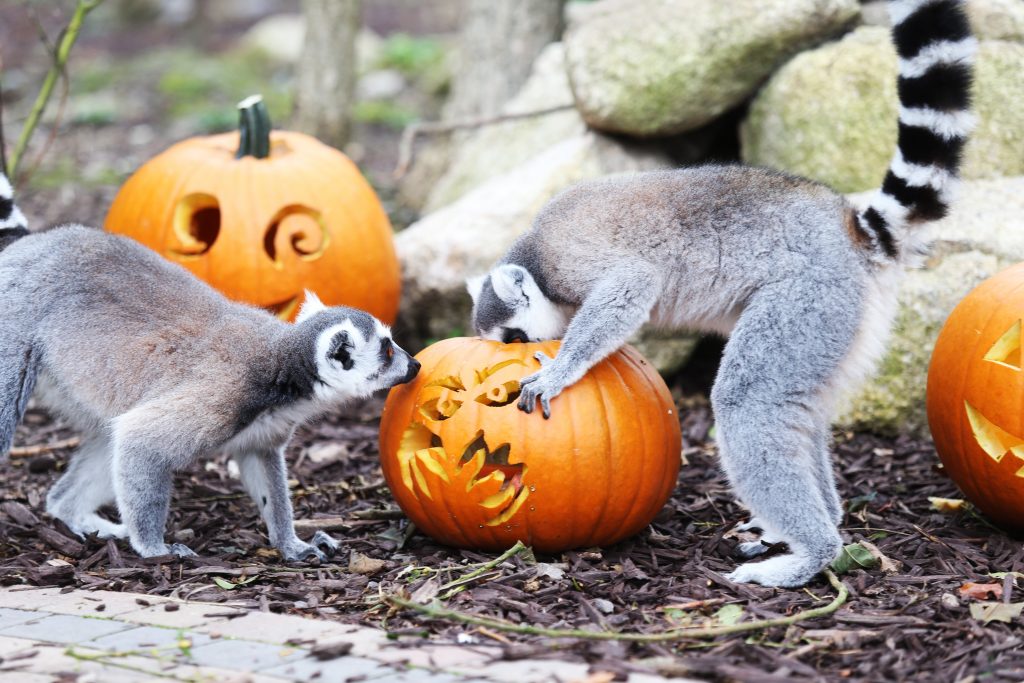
<point>164,640</point>
<point>9,646</point>
<point>25,677</point>
<point>64,628</point>
<point>26,598</point>
<point>55,660</point>
<point>279,628</point>
<point>9,617</point>
<point>527,671</point>
<point>465,658</point>
<point>187,615</point>
<point>254,656</point>
<point>421,676</point>
<point>88,603</point>
<point>333,671</point>
<point>366,642</point>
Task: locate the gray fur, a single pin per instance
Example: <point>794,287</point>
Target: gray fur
<point>157,370</point>
<point>801,282</point>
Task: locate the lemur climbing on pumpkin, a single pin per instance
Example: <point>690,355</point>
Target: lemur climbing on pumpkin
<point>801,282</point>
<point>157,369</point>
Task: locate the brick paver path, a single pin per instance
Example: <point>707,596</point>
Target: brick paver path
<point>47,635</point>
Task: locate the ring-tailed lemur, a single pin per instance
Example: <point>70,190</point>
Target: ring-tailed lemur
<point>157,369</point>
<point>803,284</point>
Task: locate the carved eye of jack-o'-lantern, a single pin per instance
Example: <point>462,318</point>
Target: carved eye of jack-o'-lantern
<point>264,215</point>
<point>472,470</point>
<point>976,397</point>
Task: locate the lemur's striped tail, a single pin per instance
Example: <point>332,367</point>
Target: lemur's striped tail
<point>12,222</point>
<point>936,56</point>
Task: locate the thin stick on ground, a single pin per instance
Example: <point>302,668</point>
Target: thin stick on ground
<point>406,147</point>
<point>31,451</point>
<point>436,612</point>
<point>457,585</point>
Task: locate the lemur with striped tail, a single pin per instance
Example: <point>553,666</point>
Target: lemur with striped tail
<point>802,283</point>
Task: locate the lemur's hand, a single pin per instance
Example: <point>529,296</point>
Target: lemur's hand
<point>544,385</point>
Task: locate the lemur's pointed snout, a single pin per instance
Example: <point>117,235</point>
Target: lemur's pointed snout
<point>410,374</point>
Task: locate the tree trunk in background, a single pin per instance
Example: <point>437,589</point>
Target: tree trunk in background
<point>327,69</point>
<point>498,43</point>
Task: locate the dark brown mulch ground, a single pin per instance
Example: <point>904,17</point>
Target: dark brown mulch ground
<point>908,626</point>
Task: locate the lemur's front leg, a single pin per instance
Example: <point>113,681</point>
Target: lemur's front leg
<point>613,310</point>
<point>264,475</point>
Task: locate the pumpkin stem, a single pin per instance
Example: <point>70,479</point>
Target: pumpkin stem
<point>253,128</point>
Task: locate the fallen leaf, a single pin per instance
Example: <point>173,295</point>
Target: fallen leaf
<point>885,563</point>
<point>729,614</point>
<point>362,564</point>
<point>229,585</point>
<point>996,611</point>
<point>947,505</point>
<point>854,556</point>
<point>981,591</point>
<point>1003,575</point>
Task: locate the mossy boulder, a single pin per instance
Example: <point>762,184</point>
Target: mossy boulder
<point>983,235</point>
<point>830,113</point>
<point>657,67</point>
<point>467,237</point>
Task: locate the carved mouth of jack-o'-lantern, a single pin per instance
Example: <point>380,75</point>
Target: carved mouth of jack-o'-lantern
<point>472,470</point>
<point>976,397</point>
<point>994,440</point>
<point>475,467</point>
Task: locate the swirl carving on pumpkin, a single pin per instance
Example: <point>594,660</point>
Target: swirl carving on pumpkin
<point>475,469</point>
<point>296,229</point>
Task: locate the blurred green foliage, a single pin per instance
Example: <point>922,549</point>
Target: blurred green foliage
<point>383,112</point>
<point>413,56</point>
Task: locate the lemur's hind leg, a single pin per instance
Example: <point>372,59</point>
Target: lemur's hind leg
<point>265,478</point>
<point>784,350</point>
<point>826,473</point>
<point>18,368</point>
<point>87,485</point>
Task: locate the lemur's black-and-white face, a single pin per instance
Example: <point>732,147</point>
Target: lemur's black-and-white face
<point>508,306</point>
<point>355,355</point>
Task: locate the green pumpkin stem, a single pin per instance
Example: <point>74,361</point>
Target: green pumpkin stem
<point>253,128</point>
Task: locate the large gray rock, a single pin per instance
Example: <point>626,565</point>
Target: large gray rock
<point>983,235</point>
<point>467,237</point>
<point>495,149</point>
<point>656,67</point>
<point>830,113</point>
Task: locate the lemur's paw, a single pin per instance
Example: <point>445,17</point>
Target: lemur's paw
<point>784,571</point>
<point>327,544</point>
<point>539,386</point>
<point>751,549</point>
<point>298,551</point>
<point>543,359</point>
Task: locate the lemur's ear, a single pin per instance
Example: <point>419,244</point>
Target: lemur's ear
<point>310,306</point>
<point>475,284</point>
<point>509,282</point>
<point>341,349</point>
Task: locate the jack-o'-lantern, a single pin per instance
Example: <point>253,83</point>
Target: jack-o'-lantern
<point>263,216</point>
<point>472,470</point>
<point>976,397</point>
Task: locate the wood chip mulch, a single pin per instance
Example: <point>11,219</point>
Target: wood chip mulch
<point>912,625</point>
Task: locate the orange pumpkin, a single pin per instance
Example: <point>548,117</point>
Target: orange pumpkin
<point>264,215</point>
<point>976,397</point>
<point>472,470</point>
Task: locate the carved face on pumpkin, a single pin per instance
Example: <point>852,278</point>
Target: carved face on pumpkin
<point>472,470</point>
<point>976,397</point>
<point>263,230</point>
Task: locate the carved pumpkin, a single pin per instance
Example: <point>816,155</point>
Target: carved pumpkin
<point>472,470</point>
<point>264,215</point>
<point>976,397</point>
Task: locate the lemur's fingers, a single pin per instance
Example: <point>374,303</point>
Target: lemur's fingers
<point>326,543</point>
<point>543,358</point>
<point>527,400</point>
<point>545,406</point>
<point>529,379</point>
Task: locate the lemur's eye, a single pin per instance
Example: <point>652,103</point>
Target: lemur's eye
<point>388,348</point>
